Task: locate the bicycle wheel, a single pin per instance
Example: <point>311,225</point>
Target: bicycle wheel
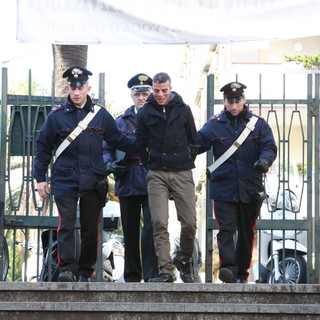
<point>45,275</point>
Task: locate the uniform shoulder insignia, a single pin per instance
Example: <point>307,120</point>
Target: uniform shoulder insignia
<point>100,105</point>
<point>258,116</point>
<point>213,117</point>
<point>57,108</point>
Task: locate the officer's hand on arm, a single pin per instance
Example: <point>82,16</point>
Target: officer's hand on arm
<point>261,165</point>
<point>43,189</point>
<point>115,168</point>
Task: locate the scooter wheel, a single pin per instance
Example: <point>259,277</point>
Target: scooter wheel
<point>295,270</point>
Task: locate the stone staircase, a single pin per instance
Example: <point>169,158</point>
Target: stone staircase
<point>176,301</point>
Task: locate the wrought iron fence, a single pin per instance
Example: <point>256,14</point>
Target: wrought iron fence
<point>24,217</point>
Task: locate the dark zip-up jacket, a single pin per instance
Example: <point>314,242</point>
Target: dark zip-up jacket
<point>166,136</point>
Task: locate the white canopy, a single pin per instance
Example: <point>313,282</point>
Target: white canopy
<point>164,21</point>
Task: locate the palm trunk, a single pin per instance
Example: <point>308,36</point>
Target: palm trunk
<point>64,57</point>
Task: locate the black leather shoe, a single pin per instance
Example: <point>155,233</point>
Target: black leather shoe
<point>226,275</point>
<point>185,269</point>
<point>67,276</point>
<point>83,279</point>
<point>163,277</point>
<point>241,280</point>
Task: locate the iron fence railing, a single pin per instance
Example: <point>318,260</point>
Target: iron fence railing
<point>23,216</point>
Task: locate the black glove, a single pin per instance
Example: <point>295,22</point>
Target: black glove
<point>261,165</point>
<point>102,187</point>
<point>115,168</point>
<point>194,150</point>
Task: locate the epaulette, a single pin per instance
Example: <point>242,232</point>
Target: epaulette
<point>57,108</point>
<point>258,116</point>
<point>214,117</point>
<point>100,105</point>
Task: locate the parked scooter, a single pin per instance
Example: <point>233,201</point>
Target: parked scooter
<point>112,244</point>
<point>282,251</point>
<point>29,267</point>
<point>112,257</point>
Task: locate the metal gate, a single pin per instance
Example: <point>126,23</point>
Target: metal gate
<point>23,214</point>
<point>295,124</point>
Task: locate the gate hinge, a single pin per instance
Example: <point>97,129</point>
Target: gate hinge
<point>314,108</point>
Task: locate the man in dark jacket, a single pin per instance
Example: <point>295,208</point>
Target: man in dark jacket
<point>131,188</point>
<point>77,172</point>
<point>166,136</point>
<point>236,185</point>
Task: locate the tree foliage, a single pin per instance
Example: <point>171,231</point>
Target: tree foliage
<point>309,62</point>
<point>22,88</point>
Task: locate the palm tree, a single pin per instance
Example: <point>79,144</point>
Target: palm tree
<point>64,57</point>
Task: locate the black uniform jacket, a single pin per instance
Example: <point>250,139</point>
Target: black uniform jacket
<point>81,164</point>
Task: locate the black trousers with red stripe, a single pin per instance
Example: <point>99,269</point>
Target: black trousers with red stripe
<point>236,219</point>
<point>140,258</point>
<point>90,207</point>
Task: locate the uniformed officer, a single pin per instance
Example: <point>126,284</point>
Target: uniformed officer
<point>236,185</point>
<point>77,171</point>
<point>131,188</point>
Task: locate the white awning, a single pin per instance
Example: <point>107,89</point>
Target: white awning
<point>164,21</point>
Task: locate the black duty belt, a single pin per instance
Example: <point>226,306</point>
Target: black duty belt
<point>136,161</point>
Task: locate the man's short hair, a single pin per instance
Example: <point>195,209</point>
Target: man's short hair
<point>161,77</point>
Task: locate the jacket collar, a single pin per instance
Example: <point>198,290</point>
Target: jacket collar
<point>246,114</point>
<point>70,106</point>
<point>129,113</point>
<point>175,97</point>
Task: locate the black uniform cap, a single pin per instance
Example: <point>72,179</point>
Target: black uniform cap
<point>77,76</point>
<point>233,91</point>
<point>140,82</point>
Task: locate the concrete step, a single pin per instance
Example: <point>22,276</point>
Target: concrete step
<point>177,301</point>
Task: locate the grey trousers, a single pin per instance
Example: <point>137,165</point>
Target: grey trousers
<point>179,184</point>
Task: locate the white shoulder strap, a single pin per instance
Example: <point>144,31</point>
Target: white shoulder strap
<point>249,127</point>
<point>82,125</point>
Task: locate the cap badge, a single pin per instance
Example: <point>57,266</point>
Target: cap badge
<point>142,78</point>
<point>234,86</point>
<point>76,72</point>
